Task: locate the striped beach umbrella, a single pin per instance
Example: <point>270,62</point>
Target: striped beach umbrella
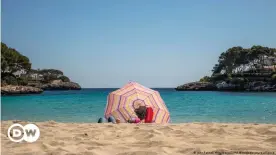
<point>122,103</point>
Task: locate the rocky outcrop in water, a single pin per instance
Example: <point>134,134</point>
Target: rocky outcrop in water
<point>197,86</point>
<point>59,85</point>
<point>18,90</point>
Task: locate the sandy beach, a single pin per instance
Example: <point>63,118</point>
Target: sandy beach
<point>143,139</point>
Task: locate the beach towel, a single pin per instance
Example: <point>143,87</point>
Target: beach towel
<point>134,120</point>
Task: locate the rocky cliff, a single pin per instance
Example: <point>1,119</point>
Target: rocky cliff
<point>59,85</point>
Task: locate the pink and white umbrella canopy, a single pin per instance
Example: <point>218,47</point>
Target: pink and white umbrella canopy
<point>122,103</point>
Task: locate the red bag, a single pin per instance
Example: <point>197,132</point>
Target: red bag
<point>149,115</point>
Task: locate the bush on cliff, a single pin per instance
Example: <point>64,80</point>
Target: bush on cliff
<point>205,79</point>
<point>219,77</point>
<point>48,78</point>
<point>273,77</point>
<point>49,71</point>
<point>8,79</point>
<point>23,81</point>
<point>64,79</point>
<point>12,61</point>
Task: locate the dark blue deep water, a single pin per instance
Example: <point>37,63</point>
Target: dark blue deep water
<point>88,104</point>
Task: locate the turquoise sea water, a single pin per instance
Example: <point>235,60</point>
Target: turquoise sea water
<point>88,105</point>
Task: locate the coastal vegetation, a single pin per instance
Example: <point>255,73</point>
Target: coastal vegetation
<point>241,69</point>
<point>16,70</point>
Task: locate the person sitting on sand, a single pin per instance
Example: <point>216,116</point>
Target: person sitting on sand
<point>144,115</point>
<point>110,119</point>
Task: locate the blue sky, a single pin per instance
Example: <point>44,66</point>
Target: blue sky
<point>157,43</point>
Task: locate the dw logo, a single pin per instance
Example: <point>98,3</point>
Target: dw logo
<point>17,133</point>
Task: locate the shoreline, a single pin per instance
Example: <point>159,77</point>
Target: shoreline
<point>153,139</point>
